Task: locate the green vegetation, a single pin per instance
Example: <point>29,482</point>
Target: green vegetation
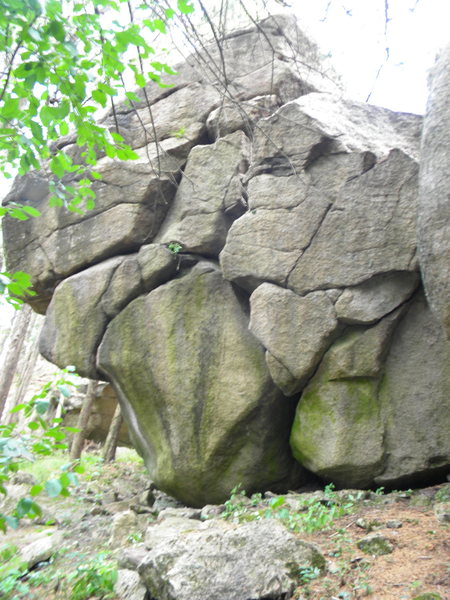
<point>311,513</point>
<point>174,247</point>
<point>92,577</point>
<point>41,437</point>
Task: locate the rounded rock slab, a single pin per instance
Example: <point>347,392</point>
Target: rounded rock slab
<point>196,391</point>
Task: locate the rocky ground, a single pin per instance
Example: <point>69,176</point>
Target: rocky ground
<point>384,546</point>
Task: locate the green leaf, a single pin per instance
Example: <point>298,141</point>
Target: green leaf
<point>140,80</point>
<point>53,488</point>
<point>116,136</point>
<point>10,109</point>
<point>23,507</point>
<point>33,212</point>
<point>17,408</point>
<point>5,131</point>
<point>47,115</point>
<point>100,97</point>
<point>184,7</point>
<point>35,510</point>
<point>56,434</point>
<point>64,391</point>
<point>34,34</point>
<point>277,502</point>
<point>13,522</point>
<point>36,489</point>
<point>56,30</point>
<point>63,128</point>
<point>133,97</point>
<point>64,480</point>
<point>41,406</point>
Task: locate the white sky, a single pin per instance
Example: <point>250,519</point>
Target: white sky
<point>356,41</point>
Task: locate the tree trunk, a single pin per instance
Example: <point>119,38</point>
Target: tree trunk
<point>109,451</point>
<point>25,370</point>
<point>80,436</point>
<point>14,344</point>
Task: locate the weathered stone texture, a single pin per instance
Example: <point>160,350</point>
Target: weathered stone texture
<point>259,255</point>
<point>434,205</point>
<point>377,414</point>
<point>200,399</point>
<point>182,562</point>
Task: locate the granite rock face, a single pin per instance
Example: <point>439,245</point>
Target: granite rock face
<point>434,204</point>
<point>184,559</point>
<point>212,415</point>
<point>254,291</point>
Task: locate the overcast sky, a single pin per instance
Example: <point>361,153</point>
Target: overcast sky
<point>353,32</point>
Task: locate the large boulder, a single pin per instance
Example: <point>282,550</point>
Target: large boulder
<point>190,560</point>
<point>376,412</point>
<point>194,385</point>
<point>434,206</point>
<point>328,179</point>
<point>252,278</point>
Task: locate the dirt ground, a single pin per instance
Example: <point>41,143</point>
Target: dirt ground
<point>419,562</point>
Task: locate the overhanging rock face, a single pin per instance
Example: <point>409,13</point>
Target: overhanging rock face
<point>289,322</point>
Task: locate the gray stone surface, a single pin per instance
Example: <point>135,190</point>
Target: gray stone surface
<point>41,549</point>
<point>360,352</point>
<point>373,299</point>
<point>131,202</point>
<point>82,305</point>
<point>371,228</point>
<point>265,243</point>
<point>219,561</point>
<point>376,412</point>
<point>295,331</point>
<point>338,429</point>
<point>319,189</point>
<point>211,186</point>
<point>413,396</point>
<point>375,544</point>
<point>199,429</point>
<point>75,321</point>
<point>231,116</point>
<point>434,203</point>
<point>128,586</point>
<point>123,525</point>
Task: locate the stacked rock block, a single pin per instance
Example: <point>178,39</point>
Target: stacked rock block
<point>251,285</point>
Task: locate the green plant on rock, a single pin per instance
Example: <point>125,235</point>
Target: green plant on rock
<point>237,506</point>
<point>175,247</point>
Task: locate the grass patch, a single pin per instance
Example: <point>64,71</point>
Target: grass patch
<point>312,513</point>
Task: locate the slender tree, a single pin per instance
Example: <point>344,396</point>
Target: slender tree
<point>86,409</point>
<point>15,343</point>
<point>110,447</point>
